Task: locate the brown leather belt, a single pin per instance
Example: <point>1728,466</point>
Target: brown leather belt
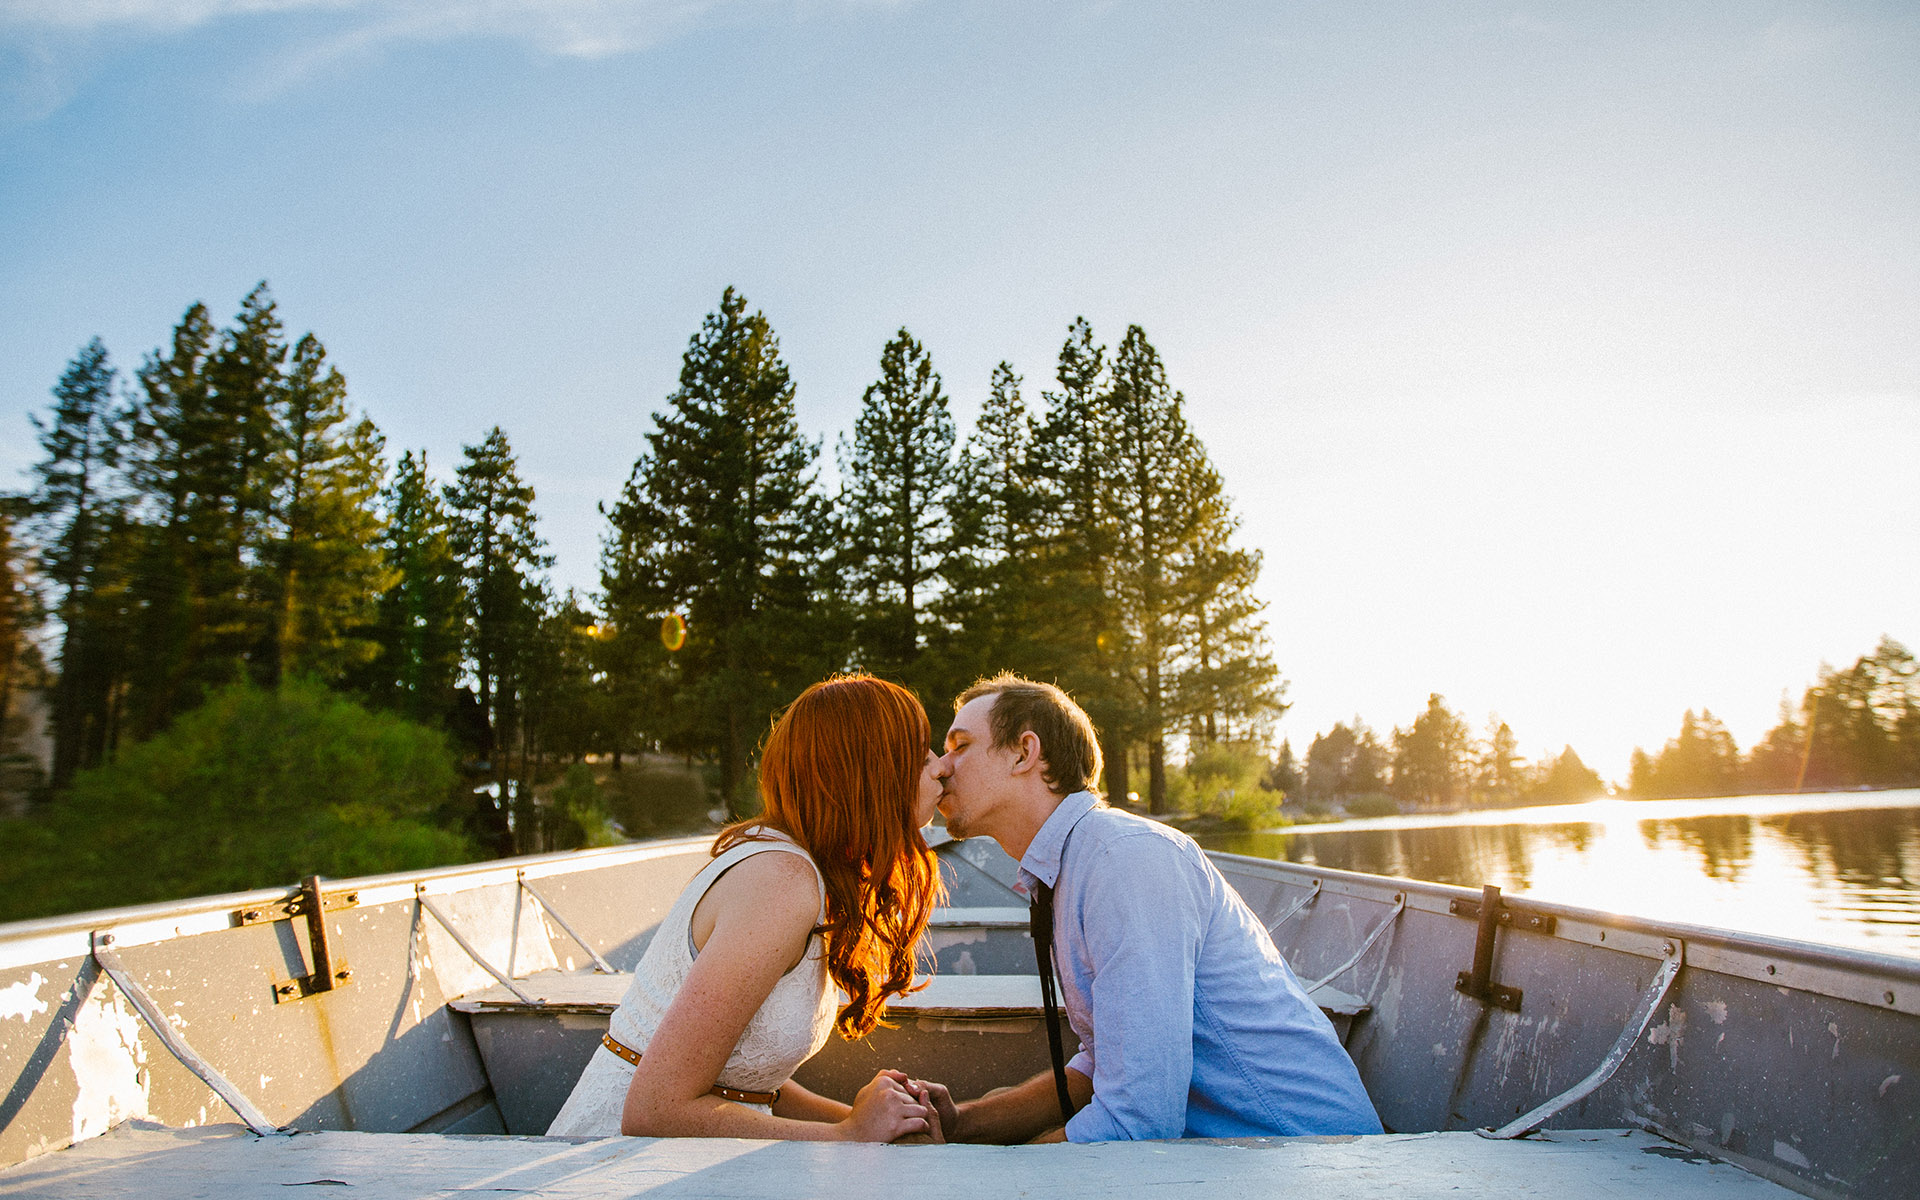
<point>725,1093</point>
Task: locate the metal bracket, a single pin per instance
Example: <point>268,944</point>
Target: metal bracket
<point>1492,914</point>
<point>1510,915</point>
<point>327,974</point>
<point>293,906</point>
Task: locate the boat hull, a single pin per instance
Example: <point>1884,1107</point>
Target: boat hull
<point>1799,1063</point>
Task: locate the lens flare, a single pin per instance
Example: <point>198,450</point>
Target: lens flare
<point>673,632</point>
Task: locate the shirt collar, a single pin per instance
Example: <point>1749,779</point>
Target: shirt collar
<point>1042,860</point>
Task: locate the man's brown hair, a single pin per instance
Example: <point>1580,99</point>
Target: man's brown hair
<point>1068,745</point>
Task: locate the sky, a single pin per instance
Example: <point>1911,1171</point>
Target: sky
<point>1563,360</point>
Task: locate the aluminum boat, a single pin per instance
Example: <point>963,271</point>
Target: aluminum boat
<point>412,1035</point>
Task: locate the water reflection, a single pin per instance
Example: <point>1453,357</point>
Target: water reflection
<point>1832,872</point>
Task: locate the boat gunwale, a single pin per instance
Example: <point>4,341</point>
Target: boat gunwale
<point>1729,952</point>
<point>1739,953</point>
<point>49,939</point>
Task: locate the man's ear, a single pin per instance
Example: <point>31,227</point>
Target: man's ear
<point>1028,758</point>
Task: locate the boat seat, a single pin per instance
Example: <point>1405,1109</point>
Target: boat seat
<point>945,997</point>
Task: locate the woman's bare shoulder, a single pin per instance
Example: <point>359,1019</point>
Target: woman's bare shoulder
<point>775,883</point>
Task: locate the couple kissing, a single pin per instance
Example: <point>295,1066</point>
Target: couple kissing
<point>1190,1022</point>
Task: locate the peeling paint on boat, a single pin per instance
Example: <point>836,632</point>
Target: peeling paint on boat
<point>22,1000</point>
<point>108,1058</point>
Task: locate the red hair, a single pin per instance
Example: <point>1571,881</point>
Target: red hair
<point>840,774</point>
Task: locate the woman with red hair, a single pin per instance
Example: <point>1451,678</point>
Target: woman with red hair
<point>831,884</point>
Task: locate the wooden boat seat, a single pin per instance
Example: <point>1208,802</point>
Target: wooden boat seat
<point>945,997</point>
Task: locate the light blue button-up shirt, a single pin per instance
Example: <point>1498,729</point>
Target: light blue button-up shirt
<point>1190,1022</point>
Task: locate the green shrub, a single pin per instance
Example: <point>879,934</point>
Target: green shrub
<point>577,814</point>
<point>1373,805</point>
<point>254,788</point>
<point>1223,781</point>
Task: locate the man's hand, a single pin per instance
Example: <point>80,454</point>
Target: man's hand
<point>936,1097</point>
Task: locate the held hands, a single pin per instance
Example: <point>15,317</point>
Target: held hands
<point>888,1108</point>
<point>935,1097</point>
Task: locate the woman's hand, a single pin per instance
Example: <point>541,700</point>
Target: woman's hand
<point>936,1097</point>
<point>885,1110</point>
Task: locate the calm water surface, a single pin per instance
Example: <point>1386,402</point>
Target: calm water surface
<point>1842,869</point>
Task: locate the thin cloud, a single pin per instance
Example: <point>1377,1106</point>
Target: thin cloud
<point>569,28</point>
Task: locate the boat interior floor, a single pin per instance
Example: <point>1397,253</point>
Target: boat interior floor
<point>157,1163</point>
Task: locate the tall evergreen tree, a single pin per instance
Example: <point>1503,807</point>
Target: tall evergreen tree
<point>418,621</point>
<point>493,537</point>
<point>1566,781</point>
<point>72,507</point>
<point>896,472</point>
<point>986,612</point>
<point>1070,607</point>
<point>1344,763</point>
<point>1166,523</point>
<point>1701,760</point>
<point>1227,685</point>
<point>322,565</point>
<point>21,615</point>
<point>229,461</point>
<point>721,524</point>
<point>165,468</point>
<point>1431,757</point>
<point>1498,765</point>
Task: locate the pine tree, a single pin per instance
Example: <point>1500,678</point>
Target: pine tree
<point>1345,763</point>
<point>1497,770</point>
<point>417,618</point>
<point>322,565</point>
<point>720,524</point>
<point>1567,781</point>
<point>986,621</point>
<point>229,461</point>
<point>1166,512</point>
<point>1076,635</point>
<point>73,510</point>
<point>1227,685</point>
<point>169,419</point>
<point>21,615</point>
<point>896,474</point>
<point>495,543</point>
<point>1285,775</point>
<point>1430,757</point>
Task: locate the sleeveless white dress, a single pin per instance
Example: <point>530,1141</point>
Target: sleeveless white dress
<point>789,1028</point>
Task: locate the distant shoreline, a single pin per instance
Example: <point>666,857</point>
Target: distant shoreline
<point>1595,812</point>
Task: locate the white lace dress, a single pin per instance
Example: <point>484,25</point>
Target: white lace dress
<point>789,1028</point>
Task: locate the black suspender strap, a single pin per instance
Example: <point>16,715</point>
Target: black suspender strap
<point>1040,925</point>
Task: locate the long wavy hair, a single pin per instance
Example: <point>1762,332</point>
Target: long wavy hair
<point>840,773</point>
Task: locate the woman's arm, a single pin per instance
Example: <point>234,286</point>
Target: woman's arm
<point>803,1105</point>
<point>763,912</point>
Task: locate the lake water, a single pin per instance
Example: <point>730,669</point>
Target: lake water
<point>1841,869</point>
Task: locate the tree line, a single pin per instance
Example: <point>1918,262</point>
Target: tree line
<point>1434,763</point>
<point>225,519</point>
<point>1854,727</point>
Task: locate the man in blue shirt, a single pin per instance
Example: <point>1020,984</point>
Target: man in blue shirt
<point>1190,1023</point>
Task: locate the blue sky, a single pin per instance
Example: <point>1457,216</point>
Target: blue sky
<point>1560,359</point>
